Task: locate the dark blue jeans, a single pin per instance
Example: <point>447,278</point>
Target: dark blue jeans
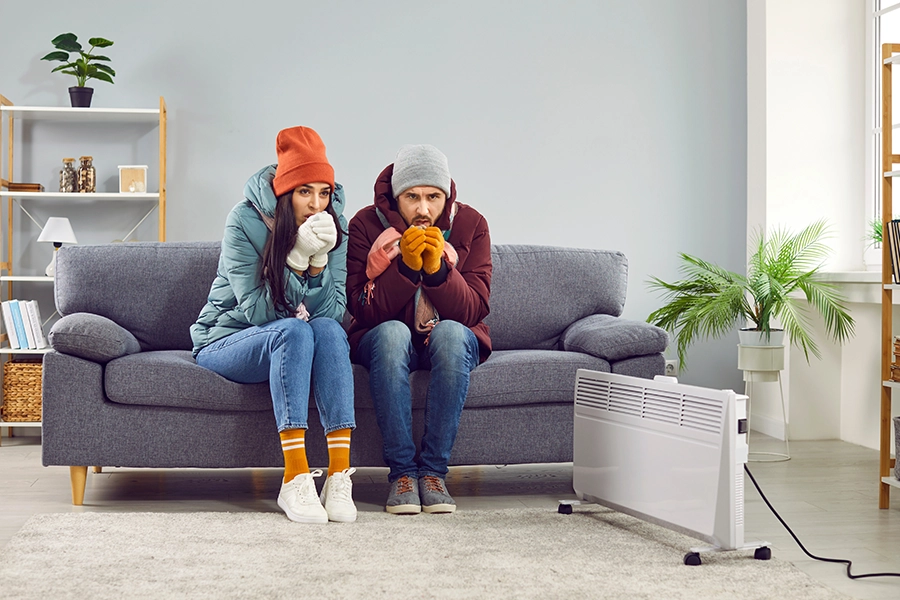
<point>388,353</point>
<point>291,353</point>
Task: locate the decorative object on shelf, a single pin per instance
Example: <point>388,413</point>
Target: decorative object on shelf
<point>58,230</point>
<point>87,66</point>
<point>711,300</point>
<point>24,187</point>
<point>68,179</point>
<point>87,175</point>
<point>132,179</point>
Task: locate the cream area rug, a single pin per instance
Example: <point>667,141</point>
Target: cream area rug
<point>511,553</point>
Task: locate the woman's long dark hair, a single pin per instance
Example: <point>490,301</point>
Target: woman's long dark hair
<point>279,244</point>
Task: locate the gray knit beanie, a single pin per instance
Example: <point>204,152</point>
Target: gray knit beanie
<point>420,164</point>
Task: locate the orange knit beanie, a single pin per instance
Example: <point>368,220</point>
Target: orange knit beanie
<point>301,159</point>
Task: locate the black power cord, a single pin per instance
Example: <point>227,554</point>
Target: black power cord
<point>802,547</point>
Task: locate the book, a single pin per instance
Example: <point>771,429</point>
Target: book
<point>10,326</point>
<point>892,237</point>
<point>24,187</point>
<point>26,325</point>
<point>34,315</point>
<point>18,323</point>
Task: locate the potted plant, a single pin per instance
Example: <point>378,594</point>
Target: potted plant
<point>86,66</point>
<point>782,271</point>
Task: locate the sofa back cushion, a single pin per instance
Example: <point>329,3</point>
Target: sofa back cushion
<point>538,291</point>
<point>155,290</point>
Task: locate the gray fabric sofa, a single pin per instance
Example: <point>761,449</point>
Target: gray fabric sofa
<point>120,387</point>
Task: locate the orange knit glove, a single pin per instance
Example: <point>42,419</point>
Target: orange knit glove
<point>411,246</point>
<point>434,250</point>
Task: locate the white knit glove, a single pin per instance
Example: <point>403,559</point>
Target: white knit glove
<point>306,245</point>
<point>323,227</point>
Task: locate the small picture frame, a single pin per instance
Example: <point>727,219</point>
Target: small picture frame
<point>132,179</point>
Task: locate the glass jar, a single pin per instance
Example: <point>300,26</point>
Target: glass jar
<point>67,177</point>
<point>87,176</point>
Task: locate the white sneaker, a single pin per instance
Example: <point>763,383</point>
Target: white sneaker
<point>299,501</point>
<point>337,497</point>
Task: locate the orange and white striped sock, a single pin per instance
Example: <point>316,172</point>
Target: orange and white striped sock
<point>294,448</point>
<point>338,451</point>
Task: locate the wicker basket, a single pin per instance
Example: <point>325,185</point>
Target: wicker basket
<point>21,391</point>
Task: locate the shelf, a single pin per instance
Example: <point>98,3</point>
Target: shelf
<point>20,423</point>
<point>26,278</point>
<point>8,350</point>
<point>891,384</point>
<point>78,196</point>
<point>76,115</point>
<point>891,173</point>
<point>891,481</point>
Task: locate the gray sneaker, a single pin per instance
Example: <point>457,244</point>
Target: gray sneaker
<point>404,497</point>
<point>435,498</point>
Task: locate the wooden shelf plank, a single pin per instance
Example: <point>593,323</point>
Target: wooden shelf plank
<point>891,481</point>
<point>8,350</point>
<point>38,278</point>
<point>85,115</point>
<point>77,196</point>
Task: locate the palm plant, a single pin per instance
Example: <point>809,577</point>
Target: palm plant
<point>710,300</point>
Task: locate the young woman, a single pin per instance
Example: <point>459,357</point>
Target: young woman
<point>274,313</point>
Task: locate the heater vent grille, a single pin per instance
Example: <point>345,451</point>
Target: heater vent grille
<point>739,497</point>
<point>683,410</point>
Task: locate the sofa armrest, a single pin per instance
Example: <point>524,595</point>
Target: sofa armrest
<point>613,338</point>
<point>92,337</point>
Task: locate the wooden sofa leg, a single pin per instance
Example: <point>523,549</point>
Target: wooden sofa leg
<point>78,476</point>
<point>98,469</point>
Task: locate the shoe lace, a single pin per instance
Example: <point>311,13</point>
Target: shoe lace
<point>341,487</point>
<point>306,486</point>
<point>404,485</point>
<point>434,484</point>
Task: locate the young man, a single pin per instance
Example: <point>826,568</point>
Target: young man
<point>418,286</point>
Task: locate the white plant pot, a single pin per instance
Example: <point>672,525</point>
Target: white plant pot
<point>751,337</point>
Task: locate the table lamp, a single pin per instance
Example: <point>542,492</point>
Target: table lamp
<point>58,230</point>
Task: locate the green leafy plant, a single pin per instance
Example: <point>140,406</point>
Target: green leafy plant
<point>85,66</point>
<point>875,232</point>
<point>710,300</point>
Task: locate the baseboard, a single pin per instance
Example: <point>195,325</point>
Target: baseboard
<point>768,426</point>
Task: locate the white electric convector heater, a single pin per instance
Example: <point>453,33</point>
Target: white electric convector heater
<point>665,452</point>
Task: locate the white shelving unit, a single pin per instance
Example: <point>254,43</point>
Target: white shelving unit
<point>9,115</point>
<point>890,54</point>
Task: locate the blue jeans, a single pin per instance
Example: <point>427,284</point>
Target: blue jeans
<point>451,354</point>
<point>290,353</point>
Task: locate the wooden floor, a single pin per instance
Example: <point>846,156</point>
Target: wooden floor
<point>827,493</point>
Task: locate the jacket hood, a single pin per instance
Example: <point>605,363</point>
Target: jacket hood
<point>385,202</point>
<point>259,191</point>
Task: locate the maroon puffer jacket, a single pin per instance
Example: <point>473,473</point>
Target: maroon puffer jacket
<point>464,296</point>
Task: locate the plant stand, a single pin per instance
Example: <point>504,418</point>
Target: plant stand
<point>763,364</point>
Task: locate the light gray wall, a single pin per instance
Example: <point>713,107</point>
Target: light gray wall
<point>602,124</point>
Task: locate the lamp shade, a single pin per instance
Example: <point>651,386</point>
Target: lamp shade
<point>58,230</point>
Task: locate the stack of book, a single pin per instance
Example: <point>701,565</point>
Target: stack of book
<point>22,319</point>
<point>895,364</point>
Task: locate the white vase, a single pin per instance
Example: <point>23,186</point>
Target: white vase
<point>752,337</point>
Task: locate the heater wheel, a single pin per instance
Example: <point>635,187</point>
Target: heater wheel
<point>564,509</point>
<point>763,553</point>
<point>692,559</point>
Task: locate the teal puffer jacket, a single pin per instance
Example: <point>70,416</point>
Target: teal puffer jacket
<point>239,298</point>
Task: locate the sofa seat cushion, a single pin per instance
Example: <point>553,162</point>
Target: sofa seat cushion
<point>506,378</point>
<point>172,378</point>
